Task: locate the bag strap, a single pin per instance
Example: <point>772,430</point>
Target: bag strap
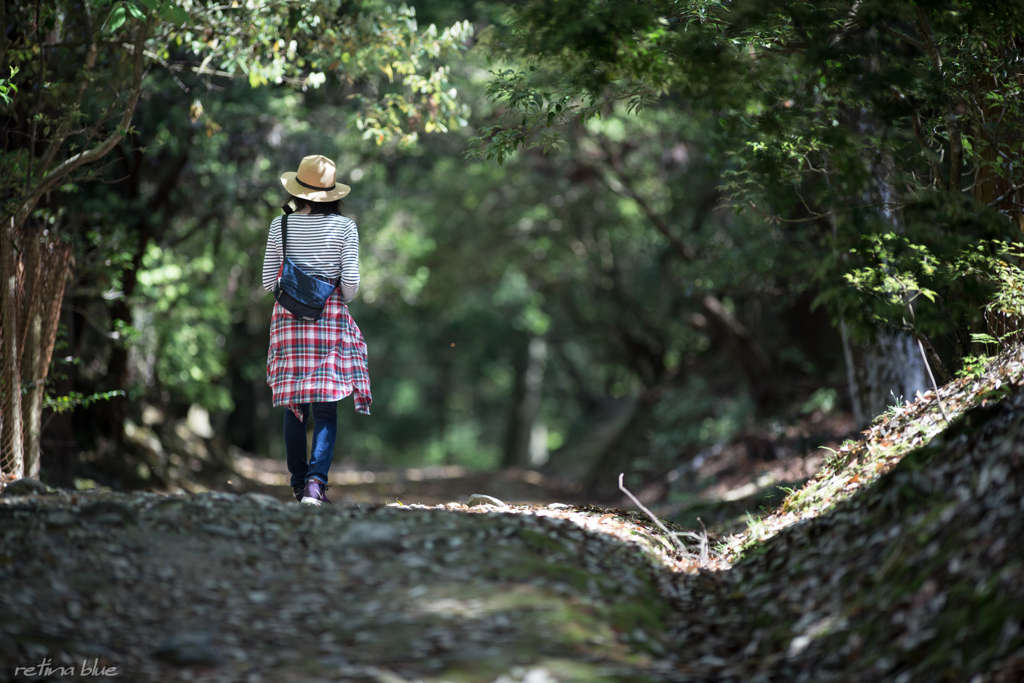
<point>284,244</point>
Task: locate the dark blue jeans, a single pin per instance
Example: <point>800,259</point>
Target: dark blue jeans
<point>325,431</point>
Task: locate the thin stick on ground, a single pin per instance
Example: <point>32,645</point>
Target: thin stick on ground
<point>674,536</point>
<point>935,386</point>
<point>927,365</point>
<point>703,542</point>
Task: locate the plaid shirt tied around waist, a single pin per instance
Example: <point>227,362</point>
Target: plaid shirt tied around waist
<point>317,361</point>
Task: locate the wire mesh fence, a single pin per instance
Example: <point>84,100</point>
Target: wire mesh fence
<point>11,451</point>
<point>11,287</point>
<point>31,293</point>
<point>10,466</point>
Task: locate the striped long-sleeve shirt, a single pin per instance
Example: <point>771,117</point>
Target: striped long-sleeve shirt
<point>325,245</point>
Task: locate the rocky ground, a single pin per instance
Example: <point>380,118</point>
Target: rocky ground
<point>900,560</point>
<point>220,587</point>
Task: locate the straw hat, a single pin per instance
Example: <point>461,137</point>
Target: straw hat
<point>315,180</point>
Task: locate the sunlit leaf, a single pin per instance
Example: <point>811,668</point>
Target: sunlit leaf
<point>116,18</point>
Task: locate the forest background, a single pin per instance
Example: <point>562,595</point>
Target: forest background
<point>595,236</point>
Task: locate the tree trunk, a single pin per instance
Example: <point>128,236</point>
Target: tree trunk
<point>621,441</point>
<point>889,369</point>
<point>29,347</point>
<point>12,464</point>
<point>522,448</point>
<point>750,357</point>
<point>882,373</point>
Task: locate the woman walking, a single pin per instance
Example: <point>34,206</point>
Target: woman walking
<point>314,364</point>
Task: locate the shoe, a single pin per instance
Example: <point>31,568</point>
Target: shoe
<point>314,493</point>
<point>298,492</point>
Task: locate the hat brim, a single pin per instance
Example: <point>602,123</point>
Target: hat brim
<point>294,189</point>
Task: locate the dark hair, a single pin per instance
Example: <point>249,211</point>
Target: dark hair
<point>319,208</point>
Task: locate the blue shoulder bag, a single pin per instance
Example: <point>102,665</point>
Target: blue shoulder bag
<point>302,295</point>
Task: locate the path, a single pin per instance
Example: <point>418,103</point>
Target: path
<point>218,587</point>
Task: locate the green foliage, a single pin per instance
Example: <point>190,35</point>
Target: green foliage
<point>545,109</point>
<point>894,279</point>
<point>692,419</point>
<point>7,87</point>
<point>827,119</point>
<point>825,399</point>
<point>973,366</point>
<point>184,326</point>
<point>401,51</point>
<point>652,118</point>
<point>378,53</point>
<point>997,262</point>
<point>168,249</point>
<point>75,399</point>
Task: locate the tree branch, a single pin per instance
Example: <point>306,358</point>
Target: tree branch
<point>943,373</point>
<point>903,36</point>
<point>714,319</point>
<point>620,186</point>
<point>84,79</point>
<point>54,177</point>
<point>1006,195</point>
<point>915,118</point>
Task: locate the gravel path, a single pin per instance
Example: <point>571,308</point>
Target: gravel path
<point>218,587</point>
